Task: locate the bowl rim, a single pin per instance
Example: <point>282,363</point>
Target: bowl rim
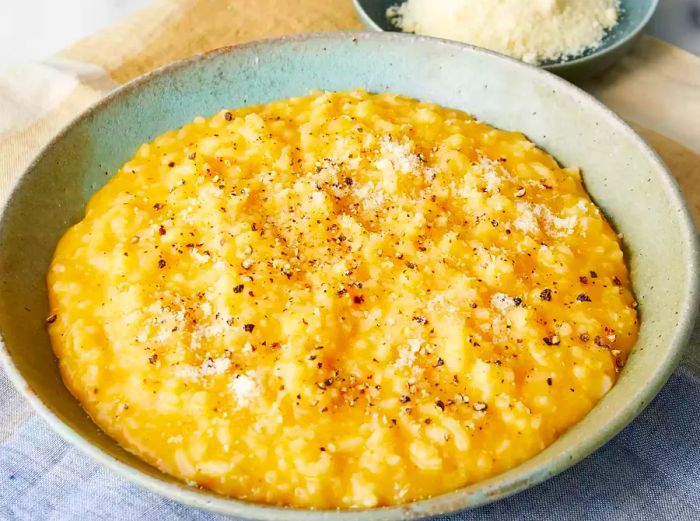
<point>555,67</point>
<point>478,494</point>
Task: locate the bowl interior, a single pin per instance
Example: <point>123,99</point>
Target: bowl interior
<point>634,15</point>
<point>623,176</point>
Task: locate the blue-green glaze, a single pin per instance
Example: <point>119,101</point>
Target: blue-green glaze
<point>624,176</point>
<point>634,16</point>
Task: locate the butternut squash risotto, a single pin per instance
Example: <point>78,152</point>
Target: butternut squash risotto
<point>341,300</point>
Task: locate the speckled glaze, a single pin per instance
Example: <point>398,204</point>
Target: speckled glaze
<point>635,14</point>
<point>625,178</point>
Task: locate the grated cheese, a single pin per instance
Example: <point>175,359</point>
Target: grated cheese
<point>534,31</point>
<point>243,387</point>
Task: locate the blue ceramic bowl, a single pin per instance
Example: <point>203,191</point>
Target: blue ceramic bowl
<point>625,178</point>
<point>635,14</point>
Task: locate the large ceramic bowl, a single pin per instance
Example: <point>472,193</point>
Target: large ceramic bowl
<point>634,16</point>
<point>622,174</point>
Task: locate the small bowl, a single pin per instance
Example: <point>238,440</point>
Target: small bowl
<point>622,174</point>
<point>634,16</point>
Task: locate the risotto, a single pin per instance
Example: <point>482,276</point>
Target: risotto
<point>341,300</point>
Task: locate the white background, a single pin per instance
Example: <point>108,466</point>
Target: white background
<point>33,29</point>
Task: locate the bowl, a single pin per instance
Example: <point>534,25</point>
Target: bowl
<point>623,175</point>
<point>635,14</point>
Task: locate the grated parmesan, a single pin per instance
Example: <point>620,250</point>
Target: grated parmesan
<point>243,387</point>
<point>534,31</point>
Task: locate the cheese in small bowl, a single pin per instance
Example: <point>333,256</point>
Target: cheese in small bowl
<point>342,300</point>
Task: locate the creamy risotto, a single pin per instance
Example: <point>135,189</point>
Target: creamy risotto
<point>340,300</point>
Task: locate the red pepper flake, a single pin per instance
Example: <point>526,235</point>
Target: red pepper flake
<point>440,362</point>
<point>342,291</point>
<point>404,399</point>
<point>420,320</point>
<point>348,181</point>
<point>593,274</point>
<point>440,404</point>
<point>161,230</point>
<point>358,299</point>
<point>238,289</point>
<point>228,116</point>
<point>161,264</point>
<point>158,206</point>
<point>584,337</point>
<point>617,281</point>
<point>546,294</point>
<point>171,164</point>
<point>410,265</point>
<point>549,381</point>
<point>517,301</point>
<point>584,280</point>
<point>583,298</point>
<point>51,318</point>
<point>427,421</point>
<point>600,342</point>
<point>249,328</point>
<point>153,358</point>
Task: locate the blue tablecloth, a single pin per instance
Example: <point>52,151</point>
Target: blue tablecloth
<point>650,471</point>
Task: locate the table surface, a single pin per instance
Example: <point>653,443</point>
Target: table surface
<point>33,29</point>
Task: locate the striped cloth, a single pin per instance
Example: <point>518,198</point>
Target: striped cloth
<point>650,471</point>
